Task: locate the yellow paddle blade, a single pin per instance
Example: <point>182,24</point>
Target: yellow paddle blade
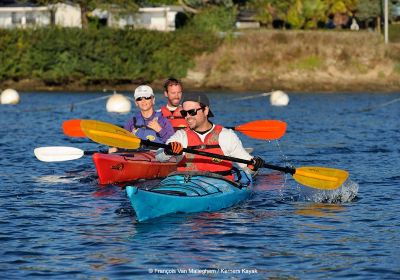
<point>109,134</point>
<point>320,177</point>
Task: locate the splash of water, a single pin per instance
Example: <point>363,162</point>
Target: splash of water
<point>346,193</point>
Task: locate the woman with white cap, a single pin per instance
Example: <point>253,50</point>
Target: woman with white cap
<point>148,124</point>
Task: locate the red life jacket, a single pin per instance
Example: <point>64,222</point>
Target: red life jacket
<point>192,162</point>
<point>175,117</point>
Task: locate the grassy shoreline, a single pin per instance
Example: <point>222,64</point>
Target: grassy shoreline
<point>265,60</point>
<point>301,61</point>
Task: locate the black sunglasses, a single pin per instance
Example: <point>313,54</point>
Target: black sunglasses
<point>191,112</point>
<point>141,98</point>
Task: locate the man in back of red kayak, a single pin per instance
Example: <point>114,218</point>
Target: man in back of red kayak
<point>172,111</point>
<point>201,134</point>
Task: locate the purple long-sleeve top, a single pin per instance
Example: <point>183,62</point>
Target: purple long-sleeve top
<point>137,124</point>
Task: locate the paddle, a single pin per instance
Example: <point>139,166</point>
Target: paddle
<point>62,153</point>
<point>312,176</point>
<point>59,153</point>
<point>261,129</point>
<point>72,128</point>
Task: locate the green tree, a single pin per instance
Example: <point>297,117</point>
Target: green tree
<point>162,2</point>
<point>214,19</point>
<point>306,13</point>
<point>341,6</point>
<point>368,9</point>
<point>196,6</point>
<point>300,13</point>
<point>268,10</point>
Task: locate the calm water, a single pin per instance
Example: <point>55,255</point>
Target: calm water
<point>56,222</point>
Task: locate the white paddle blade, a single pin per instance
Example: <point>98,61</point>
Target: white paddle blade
<point>57,153</point>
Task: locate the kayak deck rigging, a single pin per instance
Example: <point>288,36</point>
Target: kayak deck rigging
<point>188,192</point>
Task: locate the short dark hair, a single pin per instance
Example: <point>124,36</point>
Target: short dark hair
<point>171,82</point>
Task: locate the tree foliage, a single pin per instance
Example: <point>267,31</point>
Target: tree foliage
<point>300,14</point>
<point>368,9</point>
<point>215,19</point>
<point>64,55</point>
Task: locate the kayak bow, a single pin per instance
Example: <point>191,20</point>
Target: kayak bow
<point>117,168</point>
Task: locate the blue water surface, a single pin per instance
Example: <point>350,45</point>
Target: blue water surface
<point>57,222</point>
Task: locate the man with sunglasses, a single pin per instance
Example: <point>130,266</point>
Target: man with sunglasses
<point>172,111</point>
<point>147,124</point>
<point>202,134</point>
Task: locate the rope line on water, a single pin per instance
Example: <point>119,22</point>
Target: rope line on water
<point>71,106</point>
<point>253,96</point>
<point>380,105</point>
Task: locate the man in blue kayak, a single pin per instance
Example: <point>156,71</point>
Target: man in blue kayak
<point>201,134</point>
<point>147,124</point>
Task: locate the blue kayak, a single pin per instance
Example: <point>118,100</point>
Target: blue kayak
<point>189,192</point>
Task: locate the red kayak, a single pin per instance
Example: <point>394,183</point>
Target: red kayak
<point>117,168</point>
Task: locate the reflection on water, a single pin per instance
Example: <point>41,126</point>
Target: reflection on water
<point>270,182</point>
<point>54,179</point>
<point>319,209</point>
<point>106,191</point>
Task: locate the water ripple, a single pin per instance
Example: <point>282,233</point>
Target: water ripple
<point>57,222</point>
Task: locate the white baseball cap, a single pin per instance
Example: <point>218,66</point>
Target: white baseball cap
<point>143,91</point>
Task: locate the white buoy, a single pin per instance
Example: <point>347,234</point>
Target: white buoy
<point>9,96</point>
<point>279,98</point>
<point>118,103</point>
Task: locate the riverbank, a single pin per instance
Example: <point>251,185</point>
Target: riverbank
<point>265,60</point>
<point>301,61</point>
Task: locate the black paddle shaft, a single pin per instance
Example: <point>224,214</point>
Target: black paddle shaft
<point>88,153</point>
<point>239,160</point>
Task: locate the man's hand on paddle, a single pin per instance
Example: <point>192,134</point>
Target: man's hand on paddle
<point>256,163</point>
<point>174,149</point>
